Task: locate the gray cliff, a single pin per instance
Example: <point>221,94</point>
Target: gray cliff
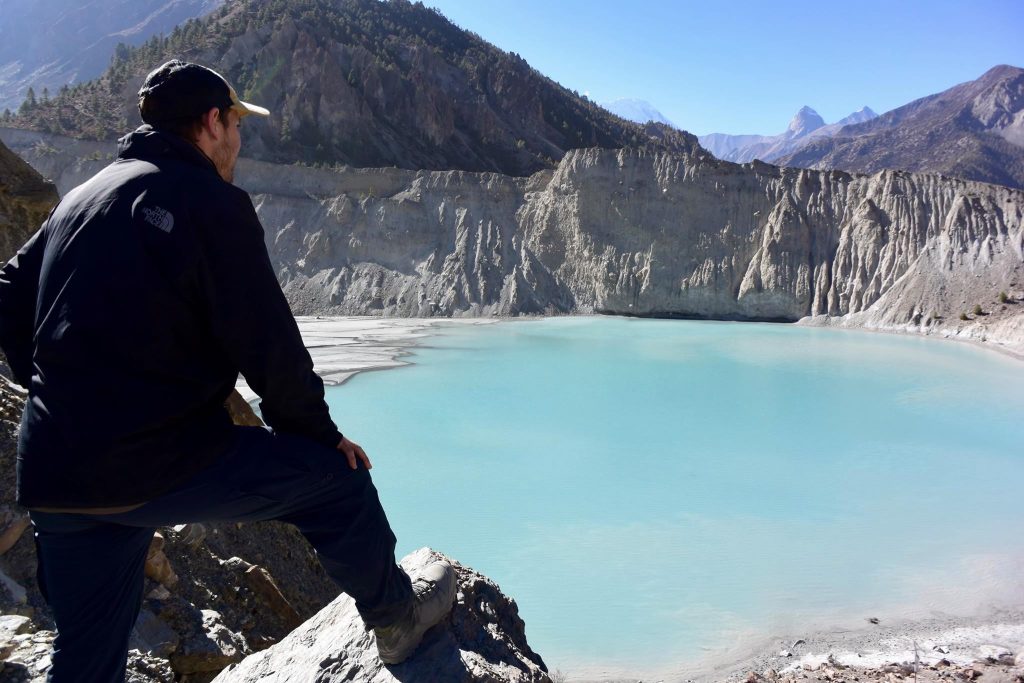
<point>632,232</point>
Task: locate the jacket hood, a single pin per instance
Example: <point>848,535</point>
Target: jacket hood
<point>146,142</point>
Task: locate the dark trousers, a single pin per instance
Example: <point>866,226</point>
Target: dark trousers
<point>91,566</point>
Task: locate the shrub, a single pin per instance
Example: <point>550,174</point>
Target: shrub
<point>1003,298</point>
<point>963,316</point>
<point>977,309</point>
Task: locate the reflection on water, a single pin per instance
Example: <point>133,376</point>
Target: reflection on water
<point>649,489</point>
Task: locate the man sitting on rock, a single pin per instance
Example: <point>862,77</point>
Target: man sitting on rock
<point>128,317</point>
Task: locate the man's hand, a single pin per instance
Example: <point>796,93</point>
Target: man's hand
<point>353,451</point>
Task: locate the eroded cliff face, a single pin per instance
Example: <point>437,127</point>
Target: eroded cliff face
<point>25,199</point>
<point>636,232</point>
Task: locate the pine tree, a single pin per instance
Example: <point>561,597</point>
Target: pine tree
<point>30,102</point>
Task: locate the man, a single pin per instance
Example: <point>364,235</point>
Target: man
<point>128,317</point>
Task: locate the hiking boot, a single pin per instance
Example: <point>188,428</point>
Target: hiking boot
<point>433,595</point>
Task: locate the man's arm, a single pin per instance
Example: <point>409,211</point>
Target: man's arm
<point>250,317</point>
<point>19,288</point>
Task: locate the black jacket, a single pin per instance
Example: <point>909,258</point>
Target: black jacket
<point>128,317</point>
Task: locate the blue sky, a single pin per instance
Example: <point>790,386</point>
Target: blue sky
<point>748,66</point>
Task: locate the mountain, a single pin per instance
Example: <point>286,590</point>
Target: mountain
<point>47,45</point>
<point>805,121</point>
<point>805,124</point>
<point>363,83</point>
<point>974,130</point>
<point>861,115</point>
<point>638,111</point>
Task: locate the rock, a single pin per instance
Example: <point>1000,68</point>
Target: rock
<point>191,534</point>
<point>815,662</point>
<point>259,581</point>
<point>11,626</point>
<point>996,654</point>
<point>159,593</point>
<point>210,648</point>
<point>941,649</point>
<point>30,657</point>
<point>799,642</point>
<point>14,589</point>
<point>482,640</point>
<point>158,567</point>
<point>785,653</point>
<point>241,412</point>
<point>153,636</point>
<point>10,535</point>
<point>144,668</point>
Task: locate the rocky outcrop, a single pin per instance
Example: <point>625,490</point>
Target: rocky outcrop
<point>25,199</point>
<point>483,639</point>
<point>635,232</point>
<point>214,592</point>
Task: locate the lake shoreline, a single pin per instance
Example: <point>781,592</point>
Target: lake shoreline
<point>940,645</point>
<point>1010,348</point>
<point>345,346</point>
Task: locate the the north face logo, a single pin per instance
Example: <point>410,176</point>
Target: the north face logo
<point>158,218</point>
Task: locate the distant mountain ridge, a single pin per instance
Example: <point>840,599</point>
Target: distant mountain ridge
<point>974,130</point>
<point>47,45</point>
<point>804,125</point>
<point>637,111</point>
<point>363,83</point>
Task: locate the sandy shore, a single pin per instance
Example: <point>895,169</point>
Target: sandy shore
<point>942,648</point>
<point>342,347</point>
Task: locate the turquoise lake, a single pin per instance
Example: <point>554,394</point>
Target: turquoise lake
<point>652,492</point>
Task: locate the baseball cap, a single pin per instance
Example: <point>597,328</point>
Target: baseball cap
<point>181,90</point>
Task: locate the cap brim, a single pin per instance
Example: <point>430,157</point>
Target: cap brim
<point>244,109</point>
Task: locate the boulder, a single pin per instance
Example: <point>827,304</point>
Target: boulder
<point>996,654</point>
<point>152,636</point>
<point>158,567</point>
<point>483,639</point>
<point>12,625</point>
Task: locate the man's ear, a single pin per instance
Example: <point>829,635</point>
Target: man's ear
<point>211,123</point>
